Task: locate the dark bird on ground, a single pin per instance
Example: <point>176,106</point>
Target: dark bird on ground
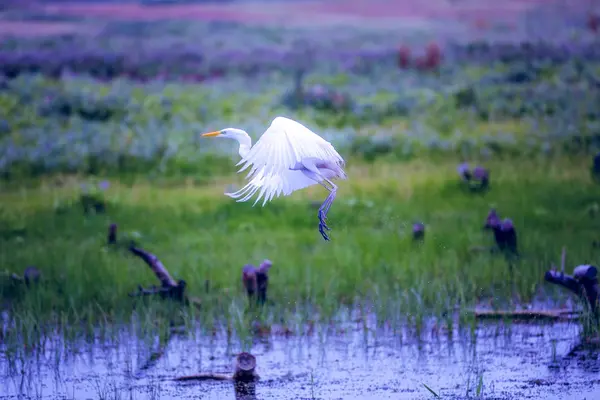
<point>91,203</point>
<point>505,234</point>
<point>508,237</point>
<point>464,172</point>
<point>477,180</point>
<point>112,234</point>
<point>493,219</point>
<point>256,281</point>
<point>31,275</point>
<point>418,231</point>
<point>262,280</point>
<point>596,168</point>
<point>249,280</point>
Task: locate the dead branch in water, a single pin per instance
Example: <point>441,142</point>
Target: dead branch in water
<point>583,282</point>
<point>156,266</point>
<point>170,288</point>
<point>243,377</point>
<point>204,377</point>
<point>524,315</point>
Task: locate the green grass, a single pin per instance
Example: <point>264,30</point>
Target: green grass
<point>200,234</point>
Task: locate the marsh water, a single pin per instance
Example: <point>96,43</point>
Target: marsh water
<point>496,360</point>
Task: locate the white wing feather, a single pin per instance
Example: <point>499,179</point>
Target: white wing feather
<point>284,143</point>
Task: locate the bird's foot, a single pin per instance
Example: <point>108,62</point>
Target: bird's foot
<point>322,228</point>
<point>322,225</point>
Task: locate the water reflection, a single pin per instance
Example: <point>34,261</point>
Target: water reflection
<point>370,364</point>
<point>245,390</point>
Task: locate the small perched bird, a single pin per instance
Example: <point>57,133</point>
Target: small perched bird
<point>288,157</point>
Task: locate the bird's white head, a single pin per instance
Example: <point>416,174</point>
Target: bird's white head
<point>231,133</point>
<point>237,134</point>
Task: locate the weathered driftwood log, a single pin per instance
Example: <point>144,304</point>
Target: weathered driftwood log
<point>156,266</point>
<point>169,287</point>
<point>583,282</point>
<point>244,377</point>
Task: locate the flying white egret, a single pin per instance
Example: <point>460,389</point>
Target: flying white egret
<point>287,157</point>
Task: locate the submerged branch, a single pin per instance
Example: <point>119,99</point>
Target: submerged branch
<point>526,315</point>
<point>245,372</point>
<point>204,377</point>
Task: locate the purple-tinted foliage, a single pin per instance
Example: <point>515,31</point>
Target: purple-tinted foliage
<point>104,185</point>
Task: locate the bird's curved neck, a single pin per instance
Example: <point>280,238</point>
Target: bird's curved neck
<point>245,144</point>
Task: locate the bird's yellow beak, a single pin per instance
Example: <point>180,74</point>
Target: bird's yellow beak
<point>209,134</point>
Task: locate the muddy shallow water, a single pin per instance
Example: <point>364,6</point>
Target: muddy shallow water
<point>520,361</point>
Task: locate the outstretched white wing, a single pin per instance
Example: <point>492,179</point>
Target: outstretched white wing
<point>284,143</point>
<point>273,186</point>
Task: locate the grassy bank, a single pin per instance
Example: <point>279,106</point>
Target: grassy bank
<point>200,234</point>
